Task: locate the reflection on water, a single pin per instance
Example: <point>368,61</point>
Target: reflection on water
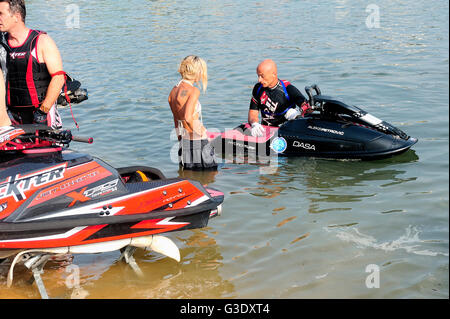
<point>104,276</point>
<point>329,181</point>
<point>205,177</point>
<point>196,276</point>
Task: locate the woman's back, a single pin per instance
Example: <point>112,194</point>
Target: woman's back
<point>186,109</point>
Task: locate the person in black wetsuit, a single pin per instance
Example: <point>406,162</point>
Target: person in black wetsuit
<point>33,66</point>
<point>276,99</point>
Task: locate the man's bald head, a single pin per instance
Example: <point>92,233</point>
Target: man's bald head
<point>267,73</point>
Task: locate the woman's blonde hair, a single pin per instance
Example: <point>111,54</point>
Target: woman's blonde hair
<point>193,68</point>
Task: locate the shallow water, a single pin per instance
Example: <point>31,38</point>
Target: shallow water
<point>308,229</point>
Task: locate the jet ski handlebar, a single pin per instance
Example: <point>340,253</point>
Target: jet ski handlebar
<point>44,132</point>
<point>30,136</point>
<point>310,92</point>
<point>64,136</point>
<point>83,139</point>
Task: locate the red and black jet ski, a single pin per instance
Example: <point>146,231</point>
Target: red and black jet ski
<point>333,130</point>
<point>56,201</point>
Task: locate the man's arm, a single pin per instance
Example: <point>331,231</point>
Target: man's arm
<point>299,99</point>
<point>253,116</point>
<point>52,58</point>
<point>295,95</point>
<point>253,112</point>
<point>4,118</point>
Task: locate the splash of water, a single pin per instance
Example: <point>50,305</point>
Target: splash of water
<point>410,241</point>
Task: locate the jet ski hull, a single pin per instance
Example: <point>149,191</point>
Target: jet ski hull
<point>312,137</point>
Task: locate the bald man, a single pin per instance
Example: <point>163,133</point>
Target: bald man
<point>276,99</point>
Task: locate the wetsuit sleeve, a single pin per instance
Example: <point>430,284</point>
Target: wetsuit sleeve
<point>254,103</point>
<point>295,95</point>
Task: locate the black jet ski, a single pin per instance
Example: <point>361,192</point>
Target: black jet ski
<point>55,201</point>
<point>333,130</point>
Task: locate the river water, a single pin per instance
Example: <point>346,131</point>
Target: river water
<point>310,228</point>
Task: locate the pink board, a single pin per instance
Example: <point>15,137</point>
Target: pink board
<point>236,134</point>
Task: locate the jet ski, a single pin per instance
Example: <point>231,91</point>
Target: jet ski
<point>334,130</point>
<point>54,200</point>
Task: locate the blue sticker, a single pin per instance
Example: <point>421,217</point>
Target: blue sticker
<point>278,144</point>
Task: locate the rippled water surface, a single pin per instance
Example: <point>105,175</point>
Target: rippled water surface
<point>310,228</point>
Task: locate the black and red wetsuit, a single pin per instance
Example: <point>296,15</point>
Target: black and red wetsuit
<point>27,78</point>
<point>274,102</point>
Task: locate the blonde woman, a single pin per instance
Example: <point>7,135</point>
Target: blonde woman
<point>195,150</point>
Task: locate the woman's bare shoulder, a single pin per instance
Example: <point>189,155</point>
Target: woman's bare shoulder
<point>195,92</point>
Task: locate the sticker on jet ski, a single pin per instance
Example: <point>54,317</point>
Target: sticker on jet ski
<point>72,183</point>
<point>306,146</point>
<point>278,144</point>
<point>16,186</point>
<point>323,129</point>
<point>103,189</point>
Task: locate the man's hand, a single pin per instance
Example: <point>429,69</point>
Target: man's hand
<point>44,109</point>
<point>306,109</point>
<point>257,129</point>
<point>292,114</point>
<point>40,117</point>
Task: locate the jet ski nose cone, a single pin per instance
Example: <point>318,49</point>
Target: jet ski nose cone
<point>407,143</point>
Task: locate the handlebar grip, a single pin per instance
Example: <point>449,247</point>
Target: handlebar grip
<point>82,139</point>
<point>309,91</point>
<point>316,88</point>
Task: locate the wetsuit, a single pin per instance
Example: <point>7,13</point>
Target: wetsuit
<point>274,102</point>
